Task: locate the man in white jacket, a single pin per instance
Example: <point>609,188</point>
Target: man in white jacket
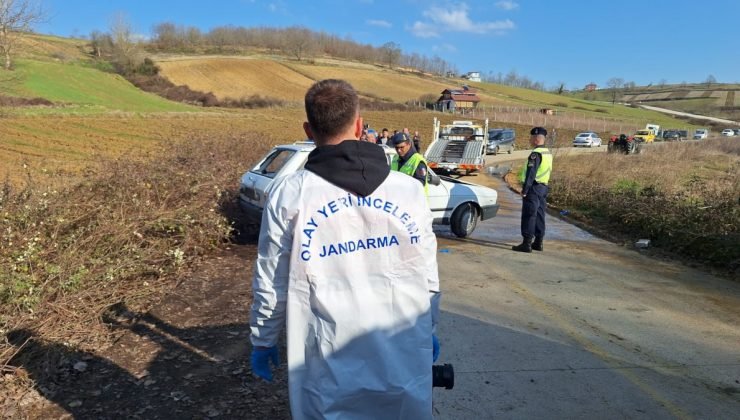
<point>347,258</point>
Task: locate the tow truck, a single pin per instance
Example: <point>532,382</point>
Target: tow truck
<point>456,147</point>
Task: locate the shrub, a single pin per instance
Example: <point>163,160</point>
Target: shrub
<point>126,231</point>
<point>684,199</point>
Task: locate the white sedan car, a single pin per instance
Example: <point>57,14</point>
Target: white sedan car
<point>587,139</point>
<point>728,132</point>
<point>453,202</point>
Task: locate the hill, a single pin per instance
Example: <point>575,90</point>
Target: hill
<point>60,70</point>
<point>715,100</point>
<point>288,79</point>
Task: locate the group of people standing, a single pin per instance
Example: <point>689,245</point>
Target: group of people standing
<point>361,320</point>
<point>384,137</point>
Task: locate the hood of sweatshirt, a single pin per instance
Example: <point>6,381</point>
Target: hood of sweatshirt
<point>356,166</point>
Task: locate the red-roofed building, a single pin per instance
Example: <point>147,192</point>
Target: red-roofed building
<point>458,99</point>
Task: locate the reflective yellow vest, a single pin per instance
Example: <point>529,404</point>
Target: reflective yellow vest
<point>409,168</point>
<point>543,172</point>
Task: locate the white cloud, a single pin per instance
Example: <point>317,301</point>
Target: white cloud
<point>456,19</point>
<point>424,30</point>
<point>381,23</point>
<point>507,5</point>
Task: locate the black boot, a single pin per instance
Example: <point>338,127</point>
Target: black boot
<point>525,246</point>
<point>537,245</point>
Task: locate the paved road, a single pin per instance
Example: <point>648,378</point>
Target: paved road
<point>586,329</point>
<point>686,114</point>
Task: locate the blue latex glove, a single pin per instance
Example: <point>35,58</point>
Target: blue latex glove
<point>261,361</point>
<point>435,348</point>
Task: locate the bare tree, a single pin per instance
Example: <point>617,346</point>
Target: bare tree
<point>126,54</point>
<point>299,42</point>
<point>615,83</point>
<point>16,17</point>
<point>710,80</point>
<point>391,53</point>
<point>101,43</point>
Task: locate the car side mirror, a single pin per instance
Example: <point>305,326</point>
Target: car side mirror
<point>434,178</point>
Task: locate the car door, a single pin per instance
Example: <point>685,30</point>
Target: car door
<point>438,199</point>
<point>509,139</point>
<point>256,181</point>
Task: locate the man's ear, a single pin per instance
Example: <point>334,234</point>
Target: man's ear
<point>307,130</point>
<point>358,127</point>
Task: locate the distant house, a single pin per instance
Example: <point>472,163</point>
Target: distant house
<point>473,76</point>
<point>458,100</point>
<point>590,87</point>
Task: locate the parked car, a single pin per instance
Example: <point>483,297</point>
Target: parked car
<point>737,131</point>
<point>501,140</point>
<point>587,139</point>
<point>728,132</point>
<point>453,202</point>
<point>701,134</point>
<point>671,135</point>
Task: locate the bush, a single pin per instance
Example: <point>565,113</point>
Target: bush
<point>254,101</point>
<point>684,199</point>
<point>12,101</point>
<point>126,231</point>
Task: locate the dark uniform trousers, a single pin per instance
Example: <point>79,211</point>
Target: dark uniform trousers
<point>533,212</point>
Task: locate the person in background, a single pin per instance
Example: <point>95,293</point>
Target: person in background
<point>384,138</point>
<point>408,161</point>
<point>417,141</point>
<point>371,136</point>
<point>534,176</point>
<point>348,259</point>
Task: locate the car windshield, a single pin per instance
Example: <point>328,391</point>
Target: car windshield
<point>643,132</point>
<point>275,161</point>
<point>462,131</point>
<point>584,135</point>
<point>495,135</point>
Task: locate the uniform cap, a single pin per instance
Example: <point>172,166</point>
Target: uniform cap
<point>538,130</point>
<point>399,138</point>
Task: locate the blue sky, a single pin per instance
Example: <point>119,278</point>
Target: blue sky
<point>575,42</point>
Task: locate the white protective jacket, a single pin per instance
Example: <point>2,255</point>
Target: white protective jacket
<point>357,278</point>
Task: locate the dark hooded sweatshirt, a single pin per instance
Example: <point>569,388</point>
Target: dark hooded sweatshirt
<point>356,166</point>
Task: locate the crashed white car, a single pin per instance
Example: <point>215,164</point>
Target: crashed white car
<point>453,202</point>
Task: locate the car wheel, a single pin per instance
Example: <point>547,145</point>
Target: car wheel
<point>464,220</point>
<point>496,150</point>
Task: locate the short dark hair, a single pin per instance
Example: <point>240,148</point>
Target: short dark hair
<point>331,105</point>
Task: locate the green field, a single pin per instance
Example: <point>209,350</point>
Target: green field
<point>83,88</point>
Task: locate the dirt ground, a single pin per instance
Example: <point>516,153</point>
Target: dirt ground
<point>186,358</point>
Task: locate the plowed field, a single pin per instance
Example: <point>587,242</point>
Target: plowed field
<point>237,78</point>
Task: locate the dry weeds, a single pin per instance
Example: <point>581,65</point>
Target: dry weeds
<point>122,234</point>
<point>684,197</point>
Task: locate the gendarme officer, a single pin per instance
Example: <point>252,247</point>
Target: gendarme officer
<point>534,176</point>
<point>408,160</point>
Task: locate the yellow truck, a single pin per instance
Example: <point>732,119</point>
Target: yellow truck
<point>648,134</point>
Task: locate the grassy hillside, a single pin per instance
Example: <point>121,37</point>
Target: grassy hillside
<point>81,87</point>
<point>718,100</point>
<point>288,80</point>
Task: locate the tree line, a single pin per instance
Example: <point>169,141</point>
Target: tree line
<point>298,42</point>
